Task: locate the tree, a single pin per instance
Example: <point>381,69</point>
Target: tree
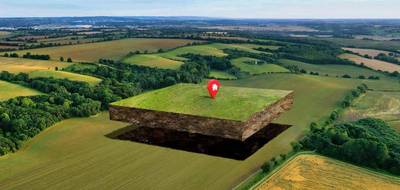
<point>62,59</point>
<point>5,118</point>
<point>69,60</point>
<point>6,55</point>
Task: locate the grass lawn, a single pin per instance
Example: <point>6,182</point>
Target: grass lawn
<point>304,171</point>
<point>257,69</point>
<point>231,103</point>
<point>153,60</point>
<point>65,75</point>
<point>172,59</point>
<point>10,90</point>
<point>333,70</point>
<point>221,75</point>
<point>116,49</point>
<point>372,63</point>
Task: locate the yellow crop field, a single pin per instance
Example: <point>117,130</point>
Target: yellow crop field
<point>42,68</point>
<point>17,65</point>
<point>65,75</point>
<point>10,90</point>
<point>319,172</point>
<point>370,52</point>
<point>372,63</point>
<point>117,49</point>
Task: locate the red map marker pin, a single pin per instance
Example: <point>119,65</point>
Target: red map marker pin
<point>213,87</point>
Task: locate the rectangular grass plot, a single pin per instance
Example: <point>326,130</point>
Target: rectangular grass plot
<point>236,113</point>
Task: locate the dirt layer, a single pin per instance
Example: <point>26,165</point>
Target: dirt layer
<point>198,143</point>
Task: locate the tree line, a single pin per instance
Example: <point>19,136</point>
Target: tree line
<point>24,117</point>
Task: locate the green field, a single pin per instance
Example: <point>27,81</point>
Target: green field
<point>257,69</point>
<point>116,49</point>
<point>42,68</point>
<point>221,75</point>
<point>172,59</point>
<point>153,60</point>
<point>377,104</point>
<point>65,75</point>
<point>332,70</point>
<point>231,102</point>
<point>93,161</point>
<point>10,90</point>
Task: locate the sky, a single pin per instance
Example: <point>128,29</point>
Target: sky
<point>208,8</point>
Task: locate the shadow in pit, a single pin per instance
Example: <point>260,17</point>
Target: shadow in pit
<point>211,145</point>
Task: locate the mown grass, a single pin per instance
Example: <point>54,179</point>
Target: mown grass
<point>221,75</point>
<point>10,90</point>
<point>231,102</point>
<point>257,69</point>
<point>153,60</point>
<point>116,49</point>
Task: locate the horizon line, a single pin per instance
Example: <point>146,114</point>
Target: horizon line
<point>208,17</point>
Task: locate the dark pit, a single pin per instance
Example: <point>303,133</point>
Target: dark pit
<point>198,143</point>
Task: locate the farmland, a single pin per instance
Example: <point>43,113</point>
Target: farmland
<point>367,44</point>
<point>332,70</point>
<point>40,68</point>
<point>302,173</point>
<point>9,90</point>
<point>116,49</point>
<point>65,75</point>
<point>17,65</point>
<point>221,75</point>
<point>173,59</point>
<point>369,52</point>
<point>4,33</point>
<point>372,63</point>
<point>152,73</point>
<point>47,160</point>
<point>377,104</point>
<point>244,65</point>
